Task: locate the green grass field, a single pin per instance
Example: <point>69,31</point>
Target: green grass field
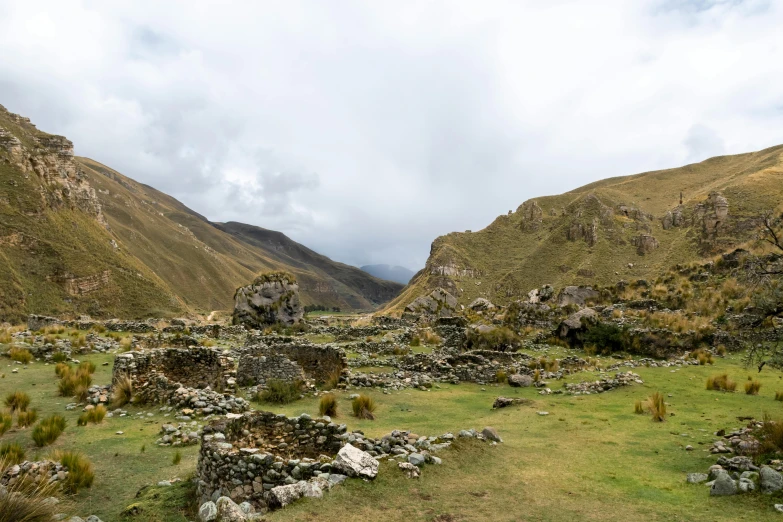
<point>591,458</point>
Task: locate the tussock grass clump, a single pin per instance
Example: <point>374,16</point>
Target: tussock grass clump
<point>537,375</point>
<point>431,338</point>
<point>48,430</point>
<point>416,340</point>
<point>657,407</point>
<point>721,382</point>
<point>6,421</point>
<point>752,387</point>
<point>126,344</point>
<point>638,407</point>
<point>5,336</point>
<point>26,418</point>
<point>21,355</point>
<point>59,357</point>
<point>779,396</point>
<point>71,380</point>
<point>177,458</point>
<point>770,437</point>
<point>94,415</point>
<point>122,392</point>
<point>328,405</point>
<point>80,472</point>
<point>87,366</point>
<point>61,369</point>
<point>721,350</point>
<point>281,392</point>
<point>12,452</point>
<point>26,500</point>
<point>703,356</point>
<point>17,401</point>
<point>363,407</point>
<point>501,376</point>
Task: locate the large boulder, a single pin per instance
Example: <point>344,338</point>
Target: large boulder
<point>771,480</point>
<point>481,305</point>
<point>577,323</point>
<point>271,298</point>
<point>439,303</point>
<point>520,380</point>
<point>229,511</point>
<point>576,295</point>
<point>355,463</point>
<point>724,485</point>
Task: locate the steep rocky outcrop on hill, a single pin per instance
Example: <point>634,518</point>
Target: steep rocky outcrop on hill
<point>77,237</point>
<point>630,227</point>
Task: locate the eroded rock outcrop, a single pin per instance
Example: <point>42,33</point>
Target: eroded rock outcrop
<point>271,298</point>
<point>439,303</point>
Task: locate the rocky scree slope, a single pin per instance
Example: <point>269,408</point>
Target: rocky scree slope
<point>77,237</point>
<point>628,227</point>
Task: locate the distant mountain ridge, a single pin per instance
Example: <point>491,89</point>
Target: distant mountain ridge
<point>77,237</point>
<point>400,274</point>
<point>624,228</point>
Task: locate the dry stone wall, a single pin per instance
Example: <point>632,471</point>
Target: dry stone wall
<point>196,367</point>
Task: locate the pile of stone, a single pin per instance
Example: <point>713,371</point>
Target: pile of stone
<point>734,475</point>
<point>504,402</point>
<point>44,471</point>
<point>603,385</point>
<point>190,401</point>
<point>180,435</point>
<point>398,380</point>
<point>741,441</point>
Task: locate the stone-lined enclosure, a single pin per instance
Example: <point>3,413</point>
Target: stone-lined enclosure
<point>245,457</point>
<point>196,367</point>
<point>290,359</point>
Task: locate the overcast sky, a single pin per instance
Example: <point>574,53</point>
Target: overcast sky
<point>366,129</point>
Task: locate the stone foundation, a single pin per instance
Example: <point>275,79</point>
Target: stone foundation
<point>196,367</point>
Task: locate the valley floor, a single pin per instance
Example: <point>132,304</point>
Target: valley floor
<point>591,458</point>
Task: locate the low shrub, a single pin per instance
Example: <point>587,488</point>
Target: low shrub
<point>122,392</point>
<point>80,472</point>
<point>70,381</point>
<point>752,387</point>
<point>48,430</point>
<point>21,355</point>
<point>281,392</point>
<point>94,415</point>
<point>6,421</point>
<point>721,382</point>
<point>657,407</point>
<point>61,369</point>
<point>59,357</point>
<point>499,338</point>
<point>328,405</point>
<point>26,418</point>
<point>12,452</point>
<point>87,366</point>
<point>363,407</point>
<point>501,376</point>
<point>17,401</point>
<point>177,458</point>
<point>770,437</point>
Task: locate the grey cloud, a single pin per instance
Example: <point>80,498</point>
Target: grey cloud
<point>365,130</point>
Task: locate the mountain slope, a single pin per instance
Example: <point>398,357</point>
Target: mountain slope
<point>399,274</point>
<point>628,227</point>
<point>78,237</point>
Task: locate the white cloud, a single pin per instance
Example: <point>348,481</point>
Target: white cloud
<point>365,130</point>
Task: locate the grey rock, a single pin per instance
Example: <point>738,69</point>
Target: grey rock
<point>93,518</point>
<point>416,459</point>
<point>281,496</point>
<point>271,298</point>
<point>520,380</point>
<point>228,511</point>
<point>491,433</point>
<point>410,470</point>
<point>723,486</point>
<point>355,463</point>
<point>207,512</point>
<point>771,481</point>
<point>746,485</point>
<point>577,322</point>
<point>696,478</point>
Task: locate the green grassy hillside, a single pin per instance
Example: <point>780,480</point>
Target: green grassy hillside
<point>77,237</point>
<point>627,227</point>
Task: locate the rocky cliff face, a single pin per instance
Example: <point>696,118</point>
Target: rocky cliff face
<point>631,227</point>
<point>62,183</point>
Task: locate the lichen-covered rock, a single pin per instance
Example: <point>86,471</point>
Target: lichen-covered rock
<point>520,380</point>
<point>577,322</point>
<point>724,485</point>
<point>481,305</point>
<point>271,298</point>
<point>771,481</point>
<point>229,511</point>
<point>356,463</point>
<point>576,295</point>
<point>207,512</point>
<point>409,470</point>
<point>439,303</point>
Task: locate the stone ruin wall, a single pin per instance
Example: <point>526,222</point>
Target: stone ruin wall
<point>195,367</point>
<point>255,370</point>
<point>318,362</point>
<point>245,457</point>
